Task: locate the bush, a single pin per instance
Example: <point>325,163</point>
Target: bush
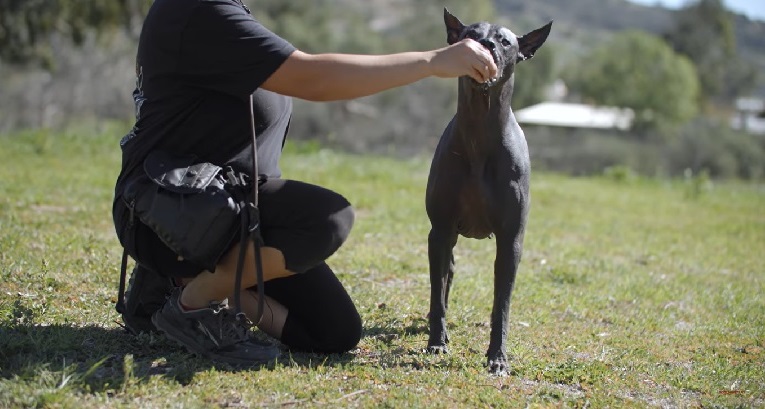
<point>722,151</point>
<point>589,152</point>
<point>702,146</point>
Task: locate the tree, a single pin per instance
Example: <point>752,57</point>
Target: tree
<point>419,25</point>
<point>308,28</point>
<point>27,25</point>
<point>533,77</point>
<point>639,71</point>
<point>704,32</point>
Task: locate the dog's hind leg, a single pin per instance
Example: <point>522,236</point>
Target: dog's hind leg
<point>509,249</point>
<point>441,257</point>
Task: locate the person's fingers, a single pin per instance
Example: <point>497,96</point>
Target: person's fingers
<point>485,62</point>
<point>479,73</point>
<point>491,70</point>
<point>475,74</point>
<point>483,71</point>
<point>468,57</point>
<point>489,67</point>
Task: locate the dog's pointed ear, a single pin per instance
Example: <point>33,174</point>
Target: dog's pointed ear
<point>454,27</point>
<point>529,43</point>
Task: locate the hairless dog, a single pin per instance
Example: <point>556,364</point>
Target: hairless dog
<point>479,181</point>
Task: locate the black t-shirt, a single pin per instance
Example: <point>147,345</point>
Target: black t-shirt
<point>198,62</point>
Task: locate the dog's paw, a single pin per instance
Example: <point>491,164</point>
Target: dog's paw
<point>499,366</point>
<point>437,349</point>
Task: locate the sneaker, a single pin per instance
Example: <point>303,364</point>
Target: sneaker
<point>146,292</point>
<point>214,333</point>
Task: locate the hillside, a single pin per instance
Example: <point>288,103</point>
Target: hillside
<point>95,81</point>
<point>580,24</point>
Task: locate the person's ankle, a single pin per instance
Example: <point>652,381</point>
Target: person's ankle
<point>187,304</point>
<point>186,308</point>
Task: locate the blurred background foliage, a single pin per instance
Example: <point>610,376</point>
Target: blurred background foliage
<point>65,62</point>
<point>663,85</point>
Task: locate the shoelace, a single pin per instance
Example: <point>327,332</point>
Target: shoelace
<point>231,330</point>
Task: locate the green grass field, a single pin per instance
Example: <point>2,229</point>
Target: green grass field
<point>631,293</point>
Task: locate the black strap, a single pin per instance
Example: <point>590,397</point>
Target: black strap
<point>251,218</point>
<point>120,307</point>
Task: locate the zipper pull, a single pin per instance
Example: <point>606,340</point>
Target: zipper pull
<point>131,219</point>
<point>247,9</point>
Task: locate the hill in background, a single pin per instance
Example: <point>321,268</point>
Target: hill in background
<point>583,23</point>
<point>96,81</point>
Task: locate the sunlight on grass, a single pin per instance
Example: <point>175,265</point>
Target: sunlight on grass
<point>631,292</point>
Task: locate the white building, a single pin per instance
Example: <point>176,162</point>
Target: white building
<point>570,115</point>
<point>750,116</point>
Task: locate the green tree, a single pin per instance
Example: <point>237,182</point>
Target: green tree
<point>640,71</point>
<point>26,26</point>
<point>704,32</point>
<point>308,28</point>
<point>422,25</point>
<point>533,77</point>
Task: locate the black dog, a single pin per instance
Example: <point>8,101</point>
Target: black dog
<point>479,181</point>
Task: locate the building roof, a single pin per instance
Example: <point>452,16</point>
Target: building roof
<point>575,116</point>
<point>750,104</point>
<point>750,117</point>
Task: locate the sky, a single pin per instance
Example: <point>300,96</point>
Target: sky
<point>754,9</point>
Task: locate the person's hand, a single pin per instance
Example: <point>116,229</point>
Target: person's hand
<point>466,57</point>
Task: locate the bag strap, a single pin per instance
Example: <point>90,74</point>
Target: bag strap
<point>251,225</point>
<point>120,306</point>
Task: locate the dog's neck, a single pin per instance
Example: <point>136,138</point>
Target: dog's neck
<point>480,109</point>
<point>483,122</point>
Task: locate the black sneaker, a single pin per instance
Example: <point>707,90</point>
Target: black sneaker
<point>146,292</point>
<point>214,333</point>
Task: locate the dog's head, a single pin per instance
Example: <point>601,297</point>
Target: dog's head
<point>506,48</point>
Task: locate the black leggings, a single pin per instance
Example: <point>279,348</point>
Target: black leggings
<point>307,223</point>
<point>322,316</point>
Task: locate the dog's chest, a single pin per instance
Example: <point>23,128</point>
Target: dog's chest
<point>474,207</point>
<point>483,201</point>
<point>479,176</point>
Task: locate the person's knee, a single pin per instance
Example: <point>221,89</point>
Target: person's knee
<point>322,240</point>
<point>352,336</point>
<point>337,336</point>
<point>345,337</point>
<point>339,225</point>
<point>333,229</point>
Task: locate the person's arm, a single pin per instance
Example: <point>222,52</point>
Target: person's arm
<point>331,77</point>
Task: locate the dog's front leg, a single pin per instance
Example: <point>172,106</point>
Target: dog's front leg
<point>440,254</point>
<point>509,249</point>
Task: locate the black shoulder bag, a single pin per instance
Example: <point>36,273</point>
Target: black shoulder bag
<point>196,210</point>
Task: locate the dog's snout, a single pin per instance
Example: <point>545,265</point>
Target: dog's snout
<point>488,44</point>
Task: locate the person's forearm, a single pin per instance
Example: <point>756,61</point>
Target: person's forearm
<point>331,77</point>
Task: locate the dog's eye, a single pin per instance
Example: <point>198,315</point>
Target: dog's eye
<point>505,42</point>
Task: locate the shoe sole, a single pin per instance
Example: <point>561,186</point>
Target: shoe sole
<point>136,329</point>
<point>195,349</point>
<point>134,324</point>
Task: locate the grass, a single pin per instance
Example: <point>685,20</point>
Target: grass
<point>631,293</point>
